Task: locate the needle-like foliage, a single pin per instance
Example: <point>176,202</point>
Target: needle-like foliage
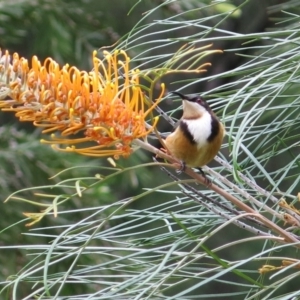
<point>176,238</point>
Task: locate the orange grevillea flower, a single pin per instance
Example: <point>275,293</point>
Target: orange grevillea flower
<point>107,104</point>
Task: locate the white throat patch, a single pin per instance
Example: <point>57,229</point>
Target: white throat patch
<point>200,129</point>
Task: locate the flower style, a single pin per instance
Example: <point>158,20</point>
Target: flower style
<point>108,105</point>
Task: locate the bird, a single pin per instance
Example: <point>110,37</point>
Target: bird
<point>199,134</point>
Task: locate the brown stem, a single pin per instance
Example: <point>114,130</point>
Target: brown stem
<point>176,163</point>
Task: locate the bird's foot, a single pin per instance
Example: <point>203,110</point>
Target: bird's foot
<point>165,151</point>
<point>182,167</point>
<point>207,181</point>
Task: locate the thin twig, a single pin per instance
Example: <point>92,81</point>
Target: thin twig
<point>291,218</point>
<point>209,199</point>
<point>286,235</point>
<point>246,195</point>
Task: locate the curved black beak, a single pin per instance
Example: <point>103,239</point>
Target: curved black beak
<point>183,97</point>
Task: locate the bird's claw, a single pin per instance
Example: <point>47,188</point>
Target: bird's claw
<point>182,167</point>
<point>207,181</point>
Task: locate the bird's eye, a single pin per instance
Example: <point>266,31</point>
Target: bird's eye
<point>202,102</point>
<point>199,100</point>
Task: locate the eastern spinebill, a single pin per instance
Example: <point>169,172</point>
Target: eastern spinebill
<point>199,134</point>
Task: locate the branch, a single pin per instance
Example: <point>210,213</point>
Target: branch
<point>288,237</point>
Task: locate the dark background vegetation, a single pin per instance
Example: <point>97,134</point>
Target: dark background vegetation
<point>68,31</point>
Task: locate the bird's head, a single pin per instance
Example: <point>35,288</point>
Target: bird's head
<point>194,106</point>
